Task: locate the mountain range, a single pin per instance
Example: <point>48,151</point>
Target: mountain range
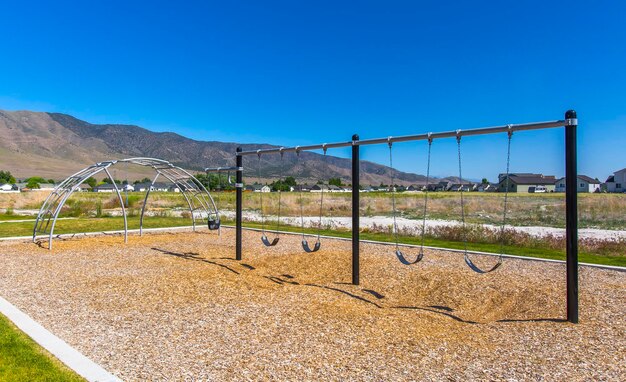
<point>54,145</point>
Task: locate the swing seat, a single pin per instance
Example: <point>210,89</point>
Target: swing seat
<point>404,260</point>
<point>473,266</point>
<point>316,247</point>
<point>214,224</point>
<point>267,243</point>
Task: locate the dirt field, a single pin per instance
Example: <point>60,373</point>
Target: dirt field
<point>176,306</point>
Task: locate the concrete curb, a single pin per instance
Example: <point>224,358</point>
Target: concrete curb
<point>71,357</point>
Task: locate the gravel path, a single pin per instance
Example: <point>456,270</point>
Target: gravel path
<point>175,306</point>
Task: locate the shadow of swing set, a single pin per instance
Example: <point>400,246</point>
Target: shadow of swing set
<point>203,207</point>
<point>570,124</point>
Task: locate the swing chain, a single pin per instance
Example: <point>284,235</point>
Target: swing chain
<point>430,144</point>
<point>301,196</point>
<point>280,192</point>
<point>464,230</point>
<point>319,224</point>
<point>258,153</point>
<point>393,195</point>
<point>506,192</point>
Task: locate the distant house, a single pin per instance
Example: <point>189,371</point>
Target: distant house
<point>83,188</point>
<point>465,187</point>
<point>487,187</point>
<point>527,182</point>
<point>327,188</point>
<point>142,187</point>
<point>258,188</point>
<point>443,185</point>
<point>616,182</point>
<point>333,188</point>
<point>421,187</point>
<point>106,187</point>
<point>302,188</point>
<point>127,187</point>
<point>159,187</point>
<point>7,187</point>
<point>584,184</point>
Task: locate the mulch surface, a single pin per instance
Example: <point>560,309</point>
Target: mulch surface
<point>176,306</point>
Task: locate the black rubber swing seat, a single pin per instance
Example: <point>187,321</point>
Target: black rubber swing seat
<point>473,266</point>
<point>267,243</point>
<point>316,247</point>
<point>214,224</point>
<point>404,260</point>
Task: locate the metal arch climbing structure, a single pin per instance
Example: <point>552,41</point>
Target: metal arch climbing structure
<point>201,204</point>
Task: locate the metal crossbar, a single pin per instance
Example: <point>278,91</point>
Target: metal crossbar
<point>421,137</point>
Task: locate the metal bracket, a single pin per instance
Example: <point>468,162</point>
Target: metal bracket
<point>571,122</point>
<point>238,185</point>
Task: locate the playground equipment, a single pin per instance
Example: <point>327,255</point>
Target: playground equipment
<point>466,257</point>
<point>199,200</point>
<point>399,253</point>
<point>264,238</point>
<point>569,123</point>
<point>305,244</point>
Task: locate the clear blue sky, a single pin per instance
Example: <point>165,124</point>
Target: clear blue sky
<point>299,72</point>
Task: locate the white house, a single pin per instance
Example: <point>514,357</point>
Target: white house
<point>617,181</point>
<point>158,187</point>
<point>584,184</point>
<point>9,188</point>
<point>258,188</point>
<point>106,187</point>
<point>83,188</point>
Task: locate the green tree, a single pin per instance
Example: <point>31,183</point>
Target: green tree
<point>107,180</point>
<point>334,182</point>
<point>6,177</point>
<point>91,181</point>
<point>51,181</point>
<point>485,181</point>
<point>35,179</point>
<point>290,181</point>
<point>32,184</point>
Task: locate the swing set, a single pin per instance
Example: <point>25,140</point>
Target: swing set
<point>569,123</point>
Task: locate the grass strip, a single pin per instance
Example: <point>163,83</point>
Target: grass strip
<point>21,359</point>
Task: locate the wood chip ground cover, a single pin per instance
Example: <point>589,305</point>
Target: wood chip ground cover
<point>172,306</point>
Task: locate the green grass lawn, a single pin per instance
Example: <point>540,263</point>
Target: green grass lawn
<point>21,359</point>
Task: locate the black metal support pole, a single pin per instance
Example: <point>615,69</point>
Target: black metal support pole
<point>571,216</point>
<point>355,211</point>
<point>239,205</point>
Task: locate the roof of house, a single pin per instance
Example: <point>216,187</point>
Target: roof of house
<point>533,179</point>
<point>105,186</point>
<point>585,178</point>
<point>588,179</point>
<point>610,179</point>
<point>145,185</point>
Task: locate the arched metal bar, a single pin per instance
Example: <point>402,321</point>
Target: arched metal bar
<point>119,196</point>
<point>195,194</point>
<point>193,219</point>
<point>145,202</point>
<point>61,187</point>
<point>62,202</point>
